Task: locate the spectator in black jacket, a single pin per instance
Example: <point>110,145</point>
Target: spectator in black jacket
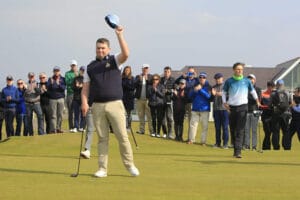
<point>168,81</point>
<point>179,97</point>
<point>128,94</point>
<point>252,118</point>
<point>56,89</point>
<point>44,100</point>
<point>156,102</point>
<point>79,122</point>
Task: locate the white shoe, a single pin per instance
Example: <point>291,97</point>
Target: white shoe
<point>75,130</point>
<point>165,136</point>
<point>86,154</point>
<point>153,134</point>
<point>80,129</point>
<point>134,171</point>
<point>71,130</point>
<point>100,174</point>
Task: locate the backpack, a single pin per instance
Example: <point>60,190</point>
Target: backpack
<point>281,101</point>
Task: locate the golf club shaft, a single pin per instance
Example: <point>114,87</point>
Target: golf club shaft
<point>81,141</point>
<point>133,138</point>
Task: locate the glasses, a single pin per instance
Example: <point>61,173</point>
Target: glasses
<point>20,83</point>
<point>42,77</point>
<point>181,83</point>
<point>155,79</point>
<point>202,77</point>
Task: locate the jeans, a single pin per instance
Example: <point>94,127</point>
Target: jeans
<point>78,118</point>
<point>36,107</point>
<point>46,116</point>
<point>221,119</point>
<point>21,118</point>
<point>9,114</point>
<point>157,117</point>
<point>251,124</point>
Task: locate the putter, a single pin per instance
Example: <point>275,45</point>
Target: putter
<point>79,158</point>
<point>136,146</point>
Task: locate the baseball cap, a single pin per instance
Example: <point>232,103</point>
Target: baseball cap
<point>203,74</point>
<point>182,81</point>
<point>82,68</point>
<point>56,68</point>
<point>145,66</point>
<point>9,77</point>
<point>73,62</point>
<point>30,74</point>
<point>218,75</point>
<point>251,76</point>
<point>280,82</point>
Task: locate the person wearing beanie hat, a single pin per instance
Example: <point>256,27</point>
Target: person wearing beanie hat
<point>56,86</point>
<point>280,103</point>
<point>9,99</point>
<point>220,114</point>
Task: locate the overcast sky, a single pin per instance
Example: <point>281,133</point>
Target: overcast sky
<point>39,34</point>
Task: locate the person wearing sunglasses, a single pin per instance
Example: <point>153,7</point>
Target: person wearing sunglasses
<point>155,97</point>
<point>200,96</point>
<point>21,115</point>
<point>44,100</point>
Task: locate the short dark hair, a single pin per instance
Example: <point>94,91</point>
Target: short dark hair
<point>237,64</point>
<point>103,41</point>
<point>167,68</point>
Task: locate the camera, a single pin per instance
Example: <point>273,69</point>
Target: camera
<point>189,74</point>
<point>257,113</point>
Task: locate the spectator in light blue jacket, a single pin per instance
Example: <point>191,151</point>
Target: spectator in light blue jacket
<point>21,114</point>
<point>9,98</point>
<point>200,95</point>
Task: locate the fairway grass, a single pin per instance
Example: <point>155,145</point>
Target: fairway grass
<point>39,167</point>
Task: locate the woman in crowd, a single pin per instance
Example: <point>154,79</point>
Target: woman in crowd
<point>128,94</point>
<point>155,97</point>
<point>21,114</point>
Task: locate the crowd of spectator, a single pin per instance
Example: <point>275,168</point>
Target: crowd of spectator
<point>163,99</point>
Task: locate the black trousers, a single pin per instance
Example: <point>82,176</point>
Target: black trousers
<point>280,121</point>
<point>157,114</point>
<point>267,124</point>
<point>237,122</point>
<point>293,128</point>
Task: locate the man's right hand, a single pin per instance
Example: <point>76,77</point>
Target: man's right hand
<point>84,109</point>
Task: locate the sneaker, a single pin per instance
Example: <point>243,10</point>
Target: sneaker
<point>100,174</point>
<point>238,155</point>
<point>134,171</point>
<point>73,130</point>
<point>80,129</point>
<point>153,134</point>
<point>165,136</point>
<point>158,135</point>
<point>216,146</point>
<point>189,142</point>
<point>140,132</point>
<point>225,147</point>
<point>86,154</point>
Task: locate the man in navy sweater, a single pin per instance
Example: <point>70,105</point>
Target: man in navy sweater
<point>9,98</point>
<point>102,90</point>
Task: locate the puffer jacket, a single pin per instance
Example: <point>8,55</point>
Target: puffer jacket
<point>156,98</point>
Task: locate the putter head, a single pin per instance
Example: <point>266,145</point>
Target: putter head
<point>74,175</point>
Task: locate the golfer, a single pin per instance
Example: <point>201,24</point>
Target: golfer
<point>103,87</point>
<point>236,89</point>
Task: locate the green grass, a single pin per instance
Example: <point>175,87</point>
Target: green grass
<point>39,167</point>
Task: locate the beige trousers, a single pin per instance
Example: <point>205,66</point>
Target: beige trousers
<point>142,109</point>
<point>113,113</point>
<point>195,118</point>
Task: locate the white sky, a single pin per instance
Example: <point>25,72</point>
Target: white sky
<point>37,35</point>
